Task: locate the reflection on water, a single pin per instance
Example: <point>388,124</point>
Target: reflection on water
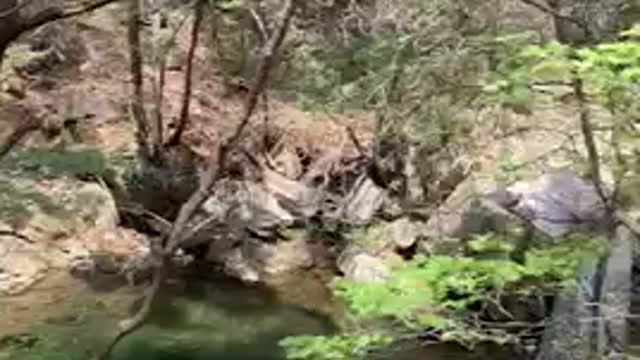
<point>201,320</point>
<point>224,322</point>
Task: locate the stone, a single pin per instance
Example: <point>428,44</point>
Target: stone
<point>616,292</point>
<point>555,204</point>
<point>560,203</point>
<point>404,233</point>
<point>96,207</point>
<point>280,258</point>
<point>237,266</point>
<point>357,265</point>
<point>465,213</point>
<point>364,200</point>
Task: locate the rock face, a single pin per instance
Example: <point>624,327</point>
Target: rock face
<point>255,260</point>
<point>555,204</point>
<point>55,223</point>
<point>560,203</point>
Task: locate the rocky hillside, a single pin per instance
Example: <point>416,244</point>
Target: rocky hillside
<point>71,79</point>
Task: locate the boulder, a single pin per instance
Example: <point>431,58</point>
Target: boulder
<point>256,260</point>
<point>555,204</point>
<point>364,200</point>
<point>403,232</point>
<point>470,209</point>
<point>560,203</point>
<point>357,265</point>
<point>59,220</point>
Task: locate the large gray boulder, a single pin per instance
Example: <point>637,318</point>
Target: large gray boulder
<point>555,204</point>
<point>561,203</point>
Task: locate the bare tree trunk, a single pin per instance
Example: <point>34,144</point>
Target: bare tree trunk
<point>183,119</point>
<point>216,170</point>
<point>587,133</point>
<point>137,102</point>
<point>160,51</point>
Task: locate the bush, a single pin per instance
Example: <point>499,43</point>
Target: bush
<point>442,294</point>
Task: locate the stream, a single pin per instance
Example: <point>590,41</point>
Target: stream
<point>65,319</point>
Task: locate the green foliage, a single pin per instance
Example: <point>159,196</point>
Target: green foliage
<point>489,243</point>
<point>438,292</point>
<point>557,265</point>
<point>609,74</point>
<point>418,74</point>
<point>509,172</point>
<point>610,71</point>
<point>346,77</point>
<point>338,347</point>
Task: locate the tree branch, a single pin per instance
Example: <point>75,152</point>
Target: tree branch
<point>214,172</point>
<point>188,77</point>
<point>557,15</point>
<point>54,13</point>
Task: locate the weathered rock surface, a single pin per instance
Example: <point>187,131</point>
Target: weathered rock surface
<point>58,222</point>
<point>560,203</point>
<point>357,265</point>
<point>555,204</point>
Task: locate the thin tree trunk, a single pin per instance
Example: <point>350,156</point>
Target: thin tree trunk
<point>586,128</point>
<point>159,75</point>
<point>137,102</point>
<point>216,170</point>
<point>183,119</point>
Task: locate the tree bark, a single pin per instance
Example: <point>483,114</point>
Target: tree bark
<point>137,79</point>
<point>183,119</point>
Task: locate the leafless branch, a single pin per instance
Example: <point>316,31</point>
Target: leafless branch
<point>262,30</point>
<point>556,14</point>
<point>183,119</point>
<point>356,142</point>
<point>214,172</point>
<point>67,10</point>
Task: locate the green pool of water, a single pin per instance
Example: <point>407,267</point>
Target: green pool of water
<point>203,320</point>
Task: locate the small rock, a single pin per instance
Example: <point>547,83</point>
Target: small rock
<point>237,266</point>
<point>359,266</point>
<point>364,201</point>
<point>403,232</point>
